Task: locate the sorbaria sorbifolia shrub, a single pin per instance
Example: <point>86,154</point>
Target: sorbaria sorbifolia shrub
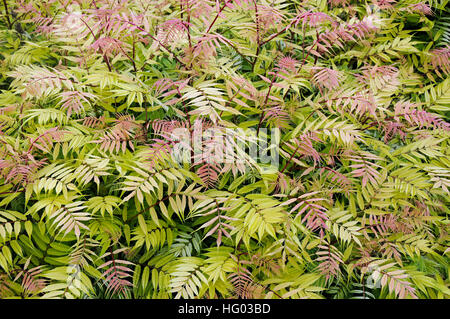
<point>224,149</point>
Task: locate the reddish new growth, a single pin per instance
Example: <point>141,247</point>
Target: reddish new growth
<point>385,4</point>
<point>199,9</point>
<point>344,33</point>
<point>119,136</point>
<point>329,259</point>
<point>269,17</point>
<point>165,87</point>
<point>415,117</point>
<point>107,45</point>
<point>325,77</point>
<point>391,129</point>
<point>171,31</point>
<point>18,168</point>
<point>440,59</point>
<point>382,77</point>
<point>277,117</point>
<point>74,101</point>
<point>207,46</point>
<point>285,67</point>
<point>422,8</point>
<point>303,147</point>
<point>337,3</point>
<point>31,283</point>
<point>310,208</point>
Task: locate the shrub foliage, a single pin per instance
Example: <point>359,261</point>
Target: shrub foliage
<point>93,204</point>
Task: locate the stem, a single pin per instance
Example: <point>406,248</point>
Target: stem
<point>237,51</point>
<point>277,34</point>
<point>213,22</point>
<point>307,55</point>
<point>215,19</point>
<point>105,58</point>
<point>8,19</point>
<point>265,101</point>
<point>134,55</point>
<point>188,12</point>
<point>257,22</point>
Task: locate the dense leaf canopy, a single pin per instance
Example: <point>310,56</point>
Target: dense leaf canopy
<point>347,102</point>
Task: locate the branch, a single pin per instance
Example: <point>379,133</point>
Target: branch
<point>7,14</point>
